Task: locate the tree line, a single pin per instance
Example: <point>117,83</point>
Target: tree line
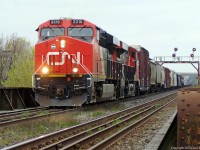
<point>16,61</point>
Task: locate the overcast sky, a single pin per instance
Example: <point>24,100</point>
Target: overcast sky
<point>157,25</point>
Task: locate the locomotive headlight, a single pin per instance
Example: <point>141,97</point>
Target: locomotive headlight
<point>75,70</point>
<point>45,70</point>
<point>62,43</point>
<point>75,67</point>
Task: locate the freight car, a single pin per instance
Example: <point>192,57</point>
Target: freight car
<point>157,77</point>
<point>141,78</point>
<point>167,78</point>
<point>77,62</point>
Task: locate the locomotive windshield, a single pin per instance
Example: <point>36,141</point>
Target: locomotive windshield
<point>85,34</point>
<point>51,32</point>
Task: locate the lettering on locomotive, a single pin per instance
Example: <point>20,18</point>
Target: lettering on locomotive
<point>64,54</point>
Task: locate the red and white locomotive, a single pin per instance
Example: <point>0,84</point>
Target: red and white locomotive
<point>77,62</point>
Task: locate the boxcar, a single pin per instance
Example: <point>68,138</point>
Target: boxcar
<point>175,79</point>
<point>143,69</point>
<point>162,77</point>
<point>171,79</point>
<point>167,78</point>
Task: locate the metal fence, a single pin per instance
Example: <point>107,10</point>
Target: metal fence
<point>16,98</point>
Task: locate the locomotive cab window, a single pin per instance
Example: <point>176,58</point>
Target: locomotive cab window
<point>51,32</point>
<point>84,34</point>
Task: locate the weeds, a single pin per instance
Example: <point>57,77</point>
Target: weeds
<point>24,115</point>
<point>97,113</point>
<point>116,121</point>
<point>101,128</point>
<point>35,128</point>
<point>89,132</point>
<point>117,108</point>
<point>43,113</point>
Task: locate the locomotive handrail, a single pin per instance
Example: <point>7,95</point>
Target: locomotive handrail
<point>85,68</point>
<point>33,85</point>
<point>90,74</point>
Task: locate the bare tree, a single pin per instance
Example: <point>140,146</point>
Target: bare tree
<point>11,49</point>
<point>6,58</point>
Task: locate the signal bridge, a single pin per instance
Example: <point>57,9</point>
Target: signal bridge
<point>180,59</point>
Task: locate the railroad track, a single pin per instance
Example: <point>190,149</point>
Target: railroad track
<point>89,135</point>
<point>14,118</point>
<point>108,142</point>
<point>25,115</point>
<point>9,113</point>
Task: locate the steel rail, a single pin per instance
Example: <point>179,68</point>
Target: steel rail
<point>112,139</point>
<point>53,137</point>
<point>24,114</point>
<point>23,120</point>
<point>72,142</point>
<point>2,114</point>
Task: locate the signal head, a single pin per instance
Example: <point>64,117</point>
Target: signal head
<point>175,49</point>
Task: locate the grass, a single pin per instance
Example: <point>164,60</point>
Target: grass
<point>32,129</point>
<point>117,108</point>
<point>97,113</point>
<point>43,113</point>
<point>197,86</point>
<point>24,115</point>
<point>116,121</point>
<point>21,132</point>
<point>89,132</point>
<point>101,128</point>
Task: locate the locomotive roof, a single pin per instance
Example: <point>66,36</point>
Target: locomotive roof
<point>65,22</point>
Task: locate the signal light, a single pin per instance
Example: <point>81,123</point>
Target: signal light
<point>173,55</point>
<point>175,49</point>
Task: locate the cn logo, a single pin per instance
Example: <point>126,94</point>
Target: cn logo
<point>64,54</point>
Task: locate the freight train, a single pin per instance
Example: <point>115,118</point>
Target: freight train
<point>77,62</point>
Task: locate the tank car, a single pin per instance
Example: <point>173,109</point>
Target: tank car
<point>77,62</point>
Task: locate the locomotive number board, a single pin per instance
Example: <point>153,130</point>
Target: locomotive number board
<point>55,22</point>
<point>77,21</point>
